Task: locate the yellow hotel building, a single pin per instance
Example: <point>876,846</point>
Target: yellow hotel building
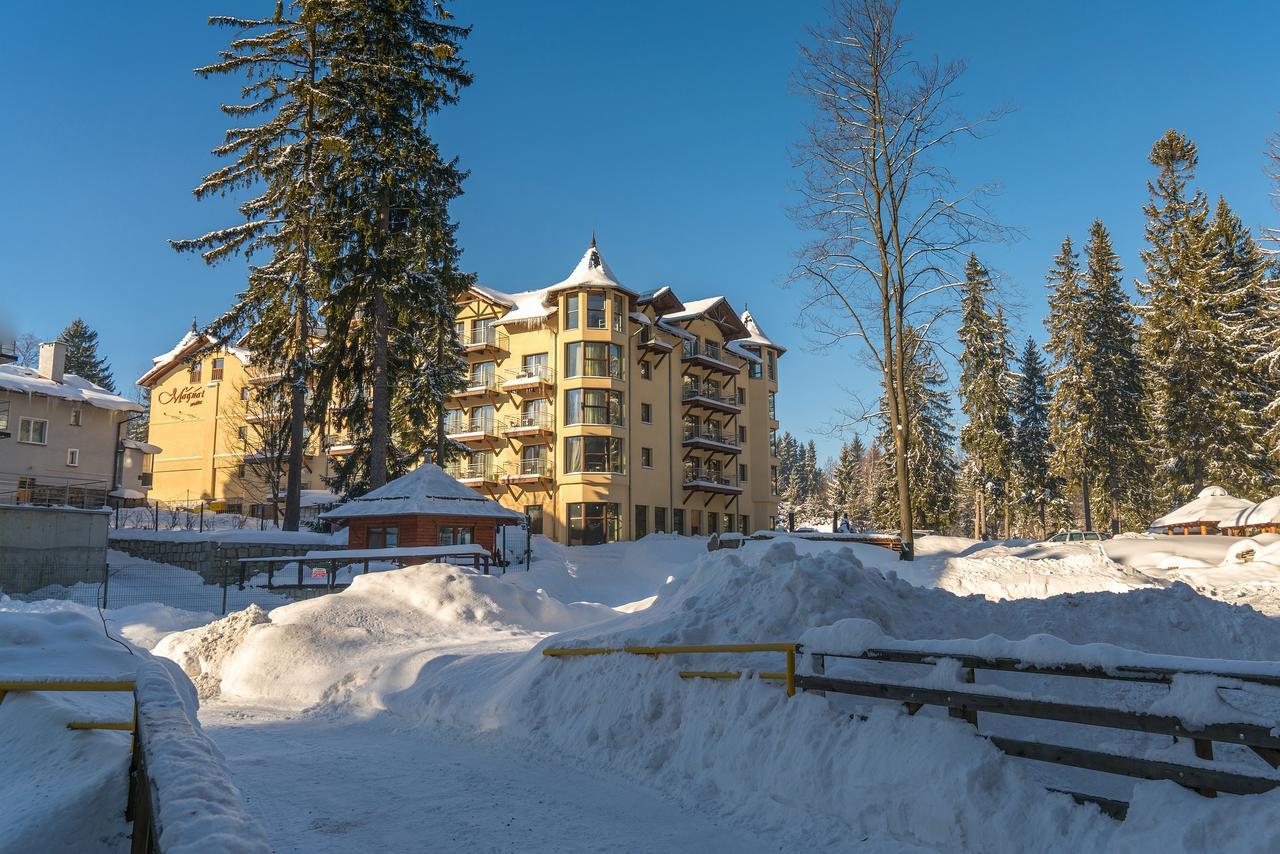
<point>602,412</point>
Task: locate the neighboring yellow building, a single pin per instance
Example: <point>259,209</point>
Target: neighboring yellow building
<point>608,414</point>
<point>205,410</point>
<point>601,412</point>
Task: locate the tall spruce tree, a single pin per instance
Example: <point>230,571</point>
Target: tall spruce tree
<point>985,438</point>
<point>1180,327</point>
<point>1113,425</point>
<point>933,468</point>
<point>1035,487</point>
<point>82,357</point>
<point>846,478</point>
<point>395,64</point>
<point>278,149</point>
<point>1069,349</point>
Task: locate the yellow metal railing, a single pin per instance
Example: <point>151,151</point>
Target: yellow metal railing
<point>15,686</point>
<point>789,676</point>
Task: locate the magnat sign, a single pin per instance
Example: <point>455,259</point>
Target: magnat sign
<point>192,395</point>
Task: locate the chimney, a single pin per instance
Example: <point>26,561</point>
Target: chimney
<point>53,358</point>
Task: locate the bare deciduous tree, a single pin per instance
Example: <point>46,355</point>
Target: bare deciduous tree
<point>261,432</point>
<point>891,224</point>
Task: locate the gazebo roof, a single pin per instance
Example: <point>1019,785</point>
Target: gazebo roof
<point>425,491</point>
<point>1210,507</point>
<point>1263,513</point>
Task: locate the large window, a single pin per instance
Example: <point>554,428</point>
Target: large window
<point>33,431</point>
<point>773,365</point>
<point>593,455</point>
<point>660,520</point>
<point>383,538</point>
<point>571,311</point>
<point>454,535</point>
<point>593,359</point>
<point>593,406</point>
<point>193,374</point>
<point>218,365</point>
<point>482,331</point>
<point>677,521</point>
<point>595,312</point>
<point>642,521</point>
<point>754,368</point>
<point>534,512</point>
<point>533,460</point>
<point>773,406</point>
<point>482,374</point>
<point>619,307</point>
<point>592,523</point>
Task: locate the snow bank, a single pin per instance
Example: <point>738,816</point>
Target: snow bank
<point>367,640</point>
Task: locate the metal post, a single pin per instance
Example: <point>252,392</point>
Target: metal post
<point>156,508</point>
<point>202,517</point>
<point>225,582</point>
<point>106,579</point>
<point>791,521</point>
<point>528,541</point>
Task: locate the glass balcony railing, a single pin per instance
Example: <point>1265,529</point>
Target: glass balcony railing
<point>482,339</point>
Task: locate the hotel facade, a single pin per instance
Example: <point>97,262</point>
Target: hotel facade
<point>602,412</point>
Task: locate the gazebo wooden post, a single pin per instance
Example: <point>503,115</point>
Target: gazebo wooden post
<point>366,567</point>
<point>301,568</point>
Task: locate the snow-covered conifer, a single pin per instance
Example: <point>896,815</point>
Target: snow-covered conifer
<point>82,357</point>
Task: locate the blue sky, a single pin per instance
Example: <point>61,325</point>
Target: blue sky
<point>663,126</point>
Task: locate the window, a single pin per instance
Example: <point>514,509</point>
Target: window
<point>244,392</point>
<point>482,374</point>
<point>742,473</point>
<point>73,456</point>
<point>646,457</point>
<point>773,365</point>
<point>773,406</point>
<point>773,480</point>
<point>677,521</point>
<point>533,460</point>
<point>595,312</point>
<point>713,523</point>
<point>619,308</point>
<point>242,433</point>
<point>216,373</point>
<point>33,431</point>
<point>592,523</point>
<point>534,512</point>
<point>240,470</point>
<point>4,418</point>
<point>593,455</point>
<point>642,521</point>
<point>773,442</point>
<point>593,406</point>
<point>534,365</point>
<point>646,370</point>
<point>742,433</point>
<point>460,330</point>
<point>754,368</point>
<point>593,359</point>
<point>383,538</point>
<point>646,413</point>
<point>660,520</point>
<point>571,311</point>
<point>744,524</point>
<point>742,397</point>
<point>728,523</point>
<point>695,522</point>
<point>482,418</point>
<point>76,415</point>
<point>535,413</point>
<point>482,332</point>
<point>193,374</point>
<point>453,535</point>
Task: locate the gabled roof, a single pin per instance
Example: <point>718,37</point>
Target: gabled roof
<point>757,336</point>
<point>427,490</point>
<point>715,309</point>
<point>663,300</point>
<point>16,378</point>
<point>188,345</point>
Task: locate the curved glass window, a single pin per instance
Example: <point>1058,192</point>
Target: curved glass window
<point>593,406</point>
<point>594,455</point>
<point>593,359</point>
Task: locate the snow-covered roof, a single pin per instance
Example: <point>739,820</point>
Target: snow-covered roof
<point>16,378</point>
<point>317,497</point>
<point>528,305</point>
<point>693,309</point>
<point>757,336</point>
<point>716,309</point>
<point>592,271</point>
<point>425,490</point>
<point>738,348</point>
<point>1263,513</point>
<point>494,295</point>
<point>188,344</point>
<point>1212,505</point>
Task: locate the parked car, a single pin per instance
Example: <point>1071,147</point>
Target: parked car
<point>1079,537</point>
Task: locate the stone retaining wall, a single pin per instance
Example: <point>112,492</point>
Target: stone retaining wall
<point>40,546</point>
<point>214,560</point>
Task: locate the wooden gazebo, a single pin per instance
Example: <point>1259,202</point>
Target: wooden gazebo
<point>1260,518</point>
<point>1202,515</point>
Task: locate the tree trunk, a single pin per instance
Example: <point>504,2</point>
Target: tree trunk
<point>442,443</point>
<point>1084,488</point>
<point>1044,525</point>
<point>380,417</point>
<point>297,432</point>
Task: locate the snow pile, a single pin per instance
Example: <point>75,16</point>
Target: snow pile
<point>367,641</point>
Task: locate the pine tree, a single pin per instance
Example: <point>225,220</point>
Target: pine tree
<point>985,439</point>
<point>280,146</point>
<point>1180,330</point>
<point>1035,486</point>
<point>933,466</point>
<point>1113,424</point>
<point>816,503</point>
<point>846,478</point>
<point>82,357</point>
<point>395,63</point>
<point>1069,349</point>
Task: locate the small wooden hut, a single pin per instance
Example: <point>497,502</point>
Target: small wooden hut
<point>1260,518</point>
<point>426,507</point>
<point>1202,515</point>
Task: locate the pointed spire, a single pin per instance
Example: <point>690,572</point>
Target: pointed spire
<point>593,238</point>
<point>194,326</point>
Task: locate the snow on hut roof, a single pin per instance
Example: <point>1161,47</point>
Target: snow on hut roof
<point>1263,513</point>
<point>425,490</point>
<point>757,336</point>
<point>1212,505</point>
<point>16,378</point>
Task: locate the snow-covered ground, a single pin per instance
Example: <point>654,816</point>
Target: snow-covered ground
<point>415,710</point>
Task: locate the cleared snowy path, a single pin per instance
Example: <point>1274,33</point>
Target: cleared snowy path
<point>341,786</point>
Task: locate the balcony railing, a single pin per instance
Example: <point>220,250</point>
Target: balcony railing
<point>483,339</point>
<point>479,384</point>
<point>527,376</point>
<point>710,398</point>
<point>470,427</point>
<point>484,472</point>
<point>709,481</point>
<point>705,435</point>
<point>709,354</point>
<point>530,468</point>
<point>529,422</point>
